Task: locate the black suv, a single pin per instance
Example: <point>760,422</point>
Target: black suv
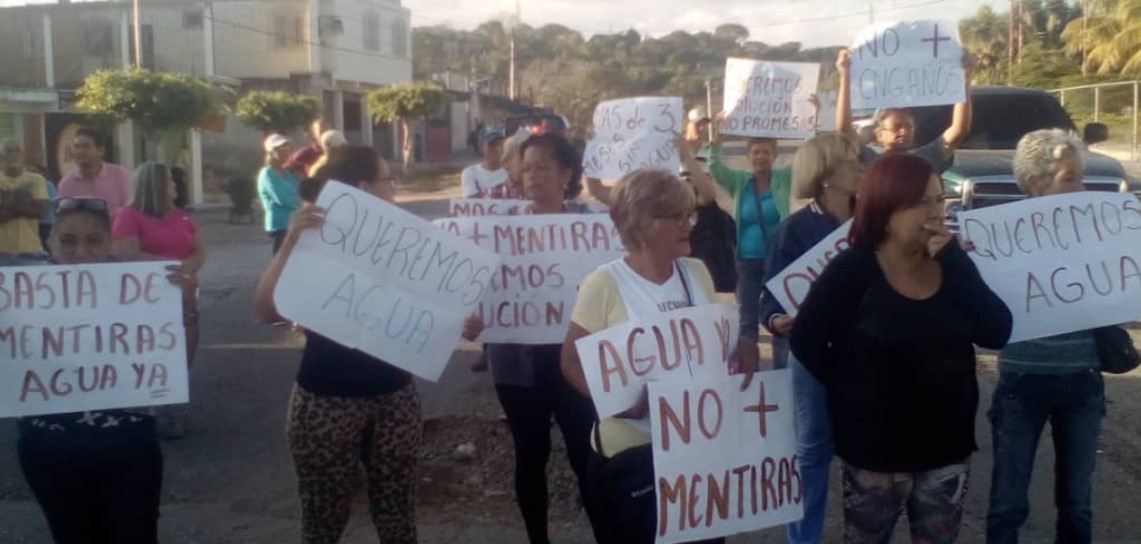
<point>983,172</point>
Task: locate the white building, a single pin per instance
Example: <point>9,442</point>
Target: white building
<point>336,50</point>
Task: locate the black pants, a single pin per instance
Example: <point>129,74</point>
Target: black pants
<point>95,485</point>
<point>529,411</point>
<point>277,237</point>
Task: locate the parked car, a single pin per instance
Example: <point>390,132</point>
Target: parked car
<point>983,172</point>
<point>536,122</point>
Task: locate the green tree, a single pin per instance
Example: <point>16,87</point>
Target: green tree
<point>986,38</point>
<point>736,33</point>
<point>406,104</point>
<point>277,111</point>
<point>1107,36</point>
<point>156,102</point>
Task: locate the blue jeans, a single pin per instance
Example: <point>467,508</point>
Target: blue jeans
<point>814,451</point>
<point>1074,404</point>
<point>750,282</point>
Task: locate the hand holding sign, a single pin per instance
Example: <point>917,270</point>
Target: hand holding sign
<point>907,64</point>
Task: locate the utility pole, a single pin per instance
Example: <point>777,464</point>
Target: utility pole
<point>515,20</point>
<point>871,12</point>
<point>1010,45</point>
<point>138,26</point>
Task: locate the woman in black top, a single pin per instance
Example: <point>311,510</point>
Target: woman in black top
<point>889,329</point>
<point>97,474</point>
<point>348,408</point>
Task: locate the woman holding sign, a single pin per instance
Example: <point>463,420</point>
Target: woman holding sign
<point>151,228</point>
<point>889,329</point>
<point>97,475</point>
<point>348,408</point>
<point>654,214</point>
<point>530,387</point>
<point>1055,379</point>
<point>826,170</point>
<point>761,201</point>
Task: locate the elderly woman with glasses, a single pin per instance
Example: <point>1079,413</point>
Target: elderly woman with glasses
<point>1055,380</point>
<point>654,213</point>
<point>151,228</point>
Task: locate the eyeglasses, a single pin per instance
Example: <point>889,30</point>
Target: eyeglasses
<point>88,204</point>
<point>689,218</point>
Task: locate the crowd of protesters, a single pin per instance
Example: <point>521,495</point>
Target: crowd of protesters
<point>881,352</point>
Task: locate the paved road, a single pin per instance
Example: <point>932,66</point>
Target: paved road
<point>230,480</point>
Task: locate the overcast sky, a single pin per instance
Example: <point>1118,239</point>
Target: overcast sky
<point>811,22</point>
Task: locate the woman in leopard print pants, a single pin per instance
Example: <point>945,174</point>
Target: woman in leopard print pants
<point>348,408</point>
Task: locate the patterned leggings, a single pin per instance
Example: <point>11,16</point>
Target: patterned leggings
<point>331,437</point>
<point>933,500</point>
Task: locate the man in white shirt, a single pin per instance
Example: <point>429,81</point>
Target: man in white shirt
<point>477,179</point>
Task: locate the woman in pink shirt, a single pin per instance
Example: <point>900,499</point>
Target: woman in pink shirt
<point>151,228</point>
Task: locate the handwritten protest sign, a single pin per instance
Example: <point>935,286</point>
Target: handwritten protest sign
<point>678,345</point>
<point>544,258</point>
<point>1061,263</point>
<point>770,99</point>
<point>633,133</point>
<point>90,337</point>
<point>724,459</point>
<point>791,285</point>
<point>908,64</point>
<point>479,207</point>
<point>381,280</point>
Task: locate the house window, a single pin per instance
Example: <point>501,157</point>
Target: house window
<point>287,31</point>
<point>33,41</point>
<point>192,18</point>
<point>97,40</point>
<point>371,32</point>
<point>399,38</point>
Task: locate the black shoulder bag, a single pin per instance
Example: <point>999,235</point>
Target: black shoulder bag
<point>1115,350</point>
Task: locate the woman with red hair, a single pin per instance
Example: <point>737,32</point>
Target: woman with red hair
<point>889,329</point>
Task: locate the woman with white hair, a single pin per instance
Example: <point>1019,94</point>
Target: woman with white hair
<point>1055,380</point>
<point>151,228</point>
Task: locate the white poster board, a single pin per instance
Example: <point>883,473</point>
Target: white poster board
<point>1061,263</point>
<point>380,280</point>
<point>544,257</point>
<point>791,285</point>
<point>908,64</point>
<point>770,99</point>
<point>697,344</point>
<point>724,459</point>
<point>633,133</point>
<point>90,337</point>
<point>479,207</point>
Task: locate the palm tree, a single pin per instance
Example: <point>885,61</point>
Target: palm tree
<point>1108,35</point>
<point>985,37</point>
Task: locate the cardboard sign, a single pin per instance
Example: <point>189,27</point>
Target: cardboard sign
<point>544,258</point>
<point>791,285</point>
<point>631,134</point>
<point>908,64</point>
<point>1061,263</point>
<point>90,337</point>
<point>479,207</point>
<point>684,344</point>
<point>381,280</point>
<point>770,99</point>
<point>724,459</point>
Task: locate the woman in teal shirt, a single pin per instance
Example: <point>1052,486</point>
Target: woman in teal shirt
<point>277,187</point>
<point>761,201</point>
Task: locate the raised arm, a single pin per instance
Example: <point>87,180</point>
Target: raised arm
<point>844,96</point>
<point>963,113</point>
<point>597,190</point>
<point>703,183</point>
